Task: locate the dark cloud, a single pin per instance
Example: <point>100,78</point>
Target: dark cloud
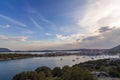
<point>90,38</point>
<point>104,29</point>
<point>107,39</point>
<point>78,40</point>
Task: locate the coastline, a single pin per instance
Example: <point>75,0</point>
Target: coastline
<point>16,56</point>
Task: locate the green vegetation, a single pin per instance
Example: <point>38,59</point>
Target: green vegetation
<point>30,76</point>
<point>76,73</point>
<point>15,56</point>
<point>94,65</point>
<point>111,66</point>
<point>45,73</point>
<point>12,56</point>
<point>46,70</point>
<point>57,72</point>
<point>114,71</point>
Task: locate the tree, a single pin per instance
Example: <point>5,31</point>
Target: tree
<point>80,74</point>
<point>29,76</point>
<point>57,72</point>
<point>66,73</point>
<point>103,68</point>
<point>115,71</point>
<point>77,73</point>
<point>47,71</point>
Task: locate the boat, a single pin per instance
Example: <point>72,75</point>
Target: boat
<point>77,58</point>
<point>61,59</point>
<point>73,60</point>
<point>83,56</point>
<point>92,58</point>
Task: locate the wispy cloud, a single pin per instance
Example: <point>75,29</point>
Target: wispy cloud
<point>14,38</point>
<point>13,20</point>
<point>46,20</point>
<point>33,45</point>
<point>36,24</point>
<point>70,38</point>
<point>31,10</point>
<point>48,34</point>
<point>98,13</point>
<point>27,32</point>
<point>5,26</point>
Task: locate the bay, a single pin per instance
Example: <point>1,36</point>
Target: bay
<point>9,68</point>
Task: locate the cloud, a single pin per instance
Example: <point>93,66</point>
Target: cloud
<point>68,29</point>
<point>36,24</point>
<point>98,27</point>
<point>37,14</point>
<point>50,45</point>
<point>13,38</point>
<point>5,26</point>
<point>27,32</point>
<point>48,34</point>
<point>106,39</point>
<point>91,38</point>
<point>100,24</point>
<point>104,29</point>
<point>99,13</point>
<point>71,38</point>
<point>46,20</point>
<point>13,20</point>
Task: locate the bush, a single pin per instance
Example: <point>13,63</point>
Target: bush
<point>114,71</point>
<point>57,72</point>
<point>45,73</point>
<point>29,76</point>
<point>46,70</point>
<point>76,73</point>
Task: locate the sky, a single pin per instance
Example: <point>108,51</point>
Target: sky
<point>59,24</point>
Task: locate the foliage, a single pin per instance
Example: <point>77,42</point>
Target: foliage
<point>57,72</point>
<point>76,73</point>
<point>45,73</point>
<point>115,71</point>
<point>29,76</point>
<point>15,56</point>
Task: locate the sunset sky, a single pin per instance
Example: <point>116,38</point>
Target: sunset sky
<point>59,24</point>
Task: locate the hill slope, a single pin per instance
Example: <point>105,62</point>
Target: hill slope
<point>4,50</point>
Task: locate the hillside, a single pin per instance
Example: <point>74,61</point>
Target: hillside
<point>116,48</point>
<point>4,50</point>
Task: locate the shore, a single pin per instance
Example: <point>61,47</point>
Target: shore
<point>14,56</point>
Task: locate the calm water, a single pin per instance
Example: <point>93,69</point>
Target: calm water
<point>9,68</point>
<point>38,52</point>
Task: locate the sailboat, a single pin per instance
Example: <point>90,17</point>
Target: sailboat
<point>73,60</point>
<point>77,58</point>
<point>61,59</point>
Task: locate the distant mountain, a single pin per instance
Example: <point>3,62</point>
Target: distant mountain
<point>4,50</point>
<point>116,48</point>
